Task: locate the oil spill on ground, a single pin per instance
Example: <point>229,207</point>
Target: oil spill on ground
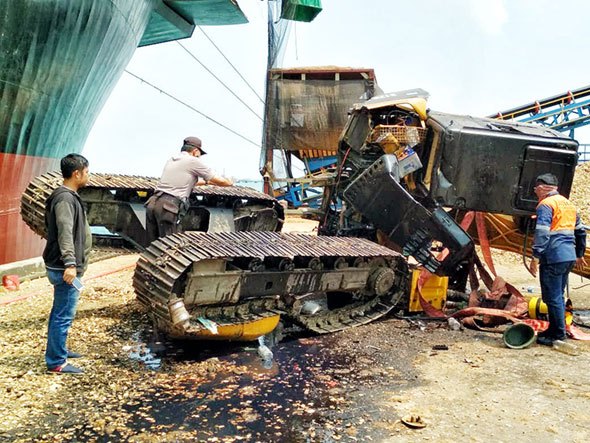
<point>318,389</point>
<point>240,398</point>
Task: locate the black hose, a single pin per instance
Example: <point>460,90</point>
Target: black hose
<point>526,236</point>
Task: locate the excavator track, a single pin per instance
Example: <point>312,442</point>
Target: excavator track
<point>116,202</point>
<point>236,277</point>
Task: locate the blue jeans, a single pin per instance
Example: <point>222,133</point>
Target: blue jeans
<point>553,278</point>
<point>65,300</point>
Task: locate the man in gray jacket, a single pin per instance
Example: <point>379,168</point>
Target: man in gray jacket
<point>66,258</point>
<point>181,173</point>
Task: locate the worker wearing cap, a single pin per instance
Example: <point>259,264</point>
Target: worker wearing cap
<point>170,200</point>
<point>559,245</point>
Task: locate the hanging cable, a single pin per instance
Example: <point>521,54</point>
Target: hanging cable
<point>218,79</point>
<point>296,48</point>
<point>230,63</point>
<point>192,108</point>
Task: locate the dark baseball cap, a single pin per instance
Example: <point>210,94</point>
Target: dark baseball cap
<point>196,142</point>
<point>548,179</point>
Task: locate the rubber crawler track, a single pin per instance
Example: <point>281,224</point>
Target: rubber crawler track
<point>159,272</point>
<point>41,187</point>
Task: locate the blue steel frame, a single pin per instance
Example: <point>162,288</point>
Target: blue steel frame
<point>563,118</point>
<point>301,194</point>
<point>584,153</point>
<point>305,193</point>
<point>563,113</point>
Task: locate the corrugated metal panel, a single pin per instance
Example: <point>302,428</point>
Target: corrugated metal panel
<point>306,114</point>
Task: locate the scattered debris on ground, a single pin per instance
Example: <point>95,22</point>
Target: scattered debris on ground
<point>363,384</point>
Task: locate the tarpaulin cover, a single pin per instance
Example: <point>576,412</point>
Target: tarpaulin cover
<point>301,10</point>
<point>310,114</point>
<point>176,19</point>
<point>209,12</point>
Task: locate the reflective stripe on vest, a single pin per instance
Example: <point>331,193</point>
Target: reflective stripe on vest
<point>564,213</point>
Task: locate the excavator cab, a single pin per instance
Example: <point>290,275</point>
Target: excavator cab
<point>488,165</point>
<point>404,172</point>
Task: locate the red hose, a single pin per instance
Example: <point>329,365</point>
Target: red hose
<point>24,297</point>
<point>124,268</point>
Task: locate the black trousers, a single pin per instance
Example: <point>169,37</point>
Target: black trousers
<point>162,216</point>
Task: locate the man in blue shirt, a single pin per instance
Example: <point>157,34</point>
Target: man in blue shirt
<point>559,245</point>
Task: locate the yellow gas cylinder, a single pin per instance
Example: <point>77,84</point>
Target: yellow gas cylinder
<point>537,308</point>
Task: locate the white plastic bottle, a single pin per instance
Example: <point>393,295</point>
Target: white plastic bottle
<point>566,347</point>
<point>454,324</point>
<point>265,353</point>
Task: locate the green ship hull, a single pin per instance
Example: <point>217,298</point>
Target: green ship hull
<point>59,61</point>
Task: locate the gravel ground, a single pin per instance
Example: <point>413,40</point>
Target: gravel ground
<point>579,195</point>
<point>354,385</point>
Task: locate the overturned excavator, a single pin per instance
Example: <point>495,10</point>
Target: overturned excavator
<point>407,175</point>
<point>404,177</point>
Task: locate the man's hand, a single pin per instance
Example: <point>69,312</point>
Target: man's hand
<point>220,181</point>
<point>534,267</point>
<point>70,275</point>
<point>581,263</point>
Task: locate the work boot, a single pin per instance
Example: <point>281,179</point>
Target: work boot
<point>545,340</point>
<point>545,333</point>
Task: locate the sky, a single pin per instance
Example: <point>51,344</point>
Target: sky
<point>474,57</point>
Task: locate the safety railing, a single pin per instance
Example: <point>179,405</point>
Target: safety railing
<point>584,153</point>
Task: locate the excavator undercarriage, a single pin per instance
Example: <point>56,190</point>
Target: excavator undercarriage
<point>325,284</point>
<point>117,203</point>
